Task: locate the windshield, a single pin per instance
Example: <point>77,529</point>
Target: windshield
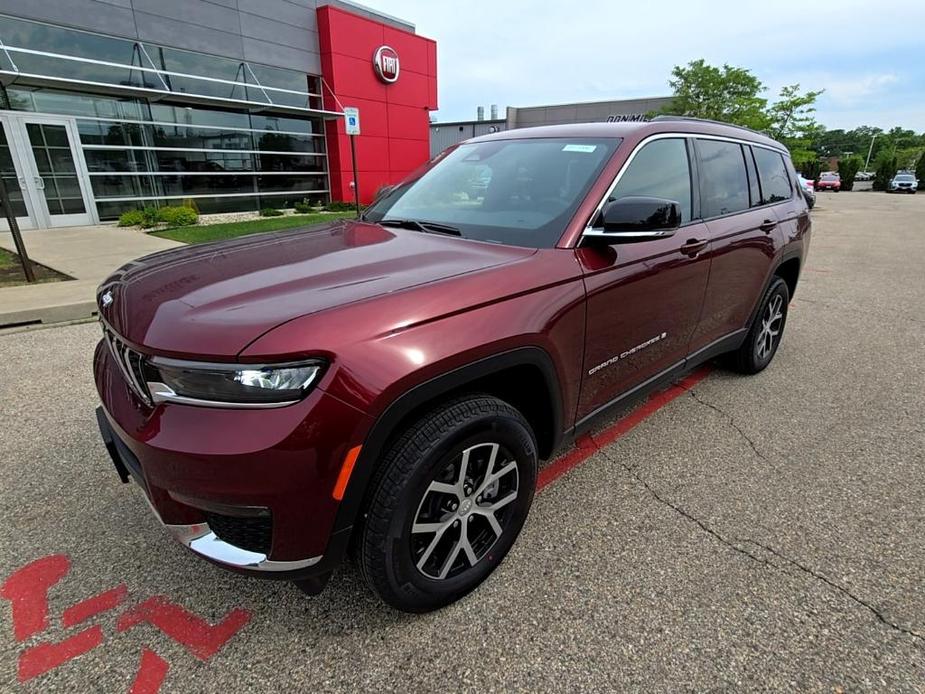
<point>517,192</point>
<point>905,177</point>
<point>829,176</point>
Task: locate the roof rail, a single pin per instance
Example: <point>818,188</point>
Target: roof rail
<point>707,120</point>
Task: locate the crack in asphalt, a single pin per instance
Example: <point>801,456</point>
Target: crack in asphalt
<point>719,537</point>
<point>716,408</point>
<point>829,582</point>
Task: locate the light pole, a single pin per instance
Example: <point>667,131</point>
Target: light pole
<point>867,163</point>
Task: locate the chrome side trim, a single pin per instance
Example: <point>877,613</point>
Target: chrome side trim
<point>200,539</point>
<point>589,226</point>
<point>161,392</point>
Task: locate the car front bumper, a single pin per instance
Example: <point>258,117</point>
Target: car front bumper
<point>249,490</point>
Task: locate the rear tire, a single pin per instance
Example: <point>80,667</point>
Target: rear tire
<point>766,332</point>
<point>447,503</point>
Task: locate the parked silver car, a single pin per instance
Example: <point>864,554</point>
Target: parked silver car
<point>809,191</point>
<point>903,183</point>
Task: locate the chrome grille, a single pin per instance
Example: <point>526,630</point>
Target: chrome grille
<point>131,363</point>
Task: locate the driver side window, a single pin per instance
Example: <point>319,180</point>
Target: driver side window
<point>660,169</point>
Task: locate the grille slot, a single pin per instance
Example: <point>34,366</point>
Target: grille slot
<point>131,364</point>
<point>253,533</point>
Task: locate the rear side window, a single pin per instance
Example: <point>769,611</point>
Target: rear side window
<point>660,169</point>
<point>775,183</point>
<point>723,181</point>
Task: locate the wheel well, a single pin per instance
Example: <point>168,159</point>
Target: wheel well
<point>522,386</point>
<point>789,271</point>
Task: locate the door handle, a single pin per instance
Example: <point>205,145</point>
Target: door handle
<point>39,182</point>
<point>693,247</point>
<point>767,226</point>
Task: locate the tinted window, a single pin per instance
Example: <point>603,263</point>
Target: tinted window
<point>775,183</point>
<point>660,169</point>
<point>724,184</point>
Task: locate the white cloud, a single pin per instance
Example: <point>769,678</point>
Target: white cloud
<point>524,52</point>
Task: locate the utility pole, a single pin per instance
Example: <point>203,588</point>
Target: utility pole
<point>14,230</point>
<point>867,163</point>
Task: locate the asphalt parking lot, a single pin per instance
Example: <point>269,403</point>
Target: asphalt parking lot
<point>739,534</point>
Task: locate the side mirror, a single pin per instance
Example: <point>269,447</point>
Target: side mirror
<point>636,218</point>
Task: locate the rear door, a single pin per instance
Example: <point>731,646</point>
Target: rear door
<point>743,234</point>
<point>644,298</point>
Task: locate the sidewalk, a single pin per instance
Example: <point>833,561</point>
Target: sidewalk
<point>88,254</point>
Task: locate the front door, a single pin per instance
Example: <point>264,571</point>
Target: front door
<point>15,183</point>
<point>49,173</point>
<point>644,298</point>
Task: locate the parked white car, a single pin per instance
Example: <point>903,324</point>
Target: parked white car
<point>903,183</point>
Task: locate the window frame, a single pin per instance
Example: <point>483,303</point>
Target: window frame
<point>786,173</point>
<point>692,170</point>
<point>696,175</point>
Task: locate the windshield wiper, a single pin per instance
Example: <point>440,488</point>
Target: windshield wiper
<point>426,227</point>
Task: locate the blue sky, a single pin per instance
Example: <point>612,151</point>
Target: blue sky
<point>868,56</point>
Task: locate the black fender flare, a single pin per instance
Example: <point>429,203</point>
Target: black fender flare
<point>790,255</point>
<point>385,425</point>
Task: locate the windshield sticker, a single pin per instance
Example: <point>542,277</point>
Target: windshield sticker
<point>579,148</point>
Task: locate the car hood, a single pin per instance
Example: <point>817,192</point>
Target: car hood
<point>214,299</point>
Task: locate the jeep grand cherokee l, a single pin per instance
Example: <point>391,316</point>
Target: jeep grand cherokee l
<point>388,385</point>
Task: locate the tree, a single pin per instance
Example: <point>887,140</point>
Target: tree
<point>728,94</point>
<point>885,169</point>
<point>848,168</point>
<point>733,95</point>
<point>920,171</point>
<point>791,115</point>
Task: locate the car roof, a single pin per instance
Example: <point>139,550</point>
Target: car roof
<point>689,126</point>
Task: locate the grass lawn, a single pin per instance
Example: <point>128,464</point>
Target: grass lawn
<point>216,232</point>
<point>11,273</point>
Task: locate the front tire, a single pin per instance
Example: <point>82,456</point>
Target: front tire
<point>766,332</point>
<point>448,502</point>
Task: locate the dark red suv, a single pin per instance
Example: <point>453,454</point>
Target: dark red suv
<point>388,385</point>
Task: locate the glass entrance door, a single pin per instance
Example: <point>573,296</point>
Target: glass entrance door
<point>49,172</point>
<point>14,183</point>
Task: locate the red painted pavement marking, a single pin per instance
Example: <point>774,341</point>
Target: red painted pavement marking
<point>27,590</point>
<point>151,673</point>
<point>40,659</point>
<point>199,637</point>
<point>587,445</point>
<point>82,611</point>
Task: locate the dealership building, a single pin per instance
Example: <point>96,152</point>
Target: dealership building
<point>442,135</point>
<point>232,105</point>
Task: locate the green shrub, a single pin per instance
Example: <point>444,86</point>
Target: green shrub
<point>848,168</point>
<point>304,206</point>
<point>149,217</point>
<point>131,218</point>
<point>885,169</point>
<point>270,212</point>
<point>178,216</point>
<point>920,171</point>
<point>339,206</point>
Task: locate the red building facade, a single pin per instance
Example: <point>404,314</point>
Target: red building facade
<point>394,88</point>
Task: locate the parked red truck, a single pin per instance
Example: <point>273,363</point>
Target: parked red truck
<point>389,385</point>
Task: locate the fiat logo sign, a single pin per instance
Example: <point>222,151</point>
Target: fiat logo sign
<point>385,62</point>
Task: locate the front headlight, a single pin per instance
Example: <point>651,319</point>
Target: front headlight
<point>230,385</point>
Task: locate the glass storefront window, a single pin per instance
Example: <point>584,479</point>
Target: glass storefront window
<point>162,150</point>
<point>133,64</point>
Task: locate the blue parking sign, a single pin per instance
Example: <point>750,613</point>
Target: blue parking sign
<point>352,120</point>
